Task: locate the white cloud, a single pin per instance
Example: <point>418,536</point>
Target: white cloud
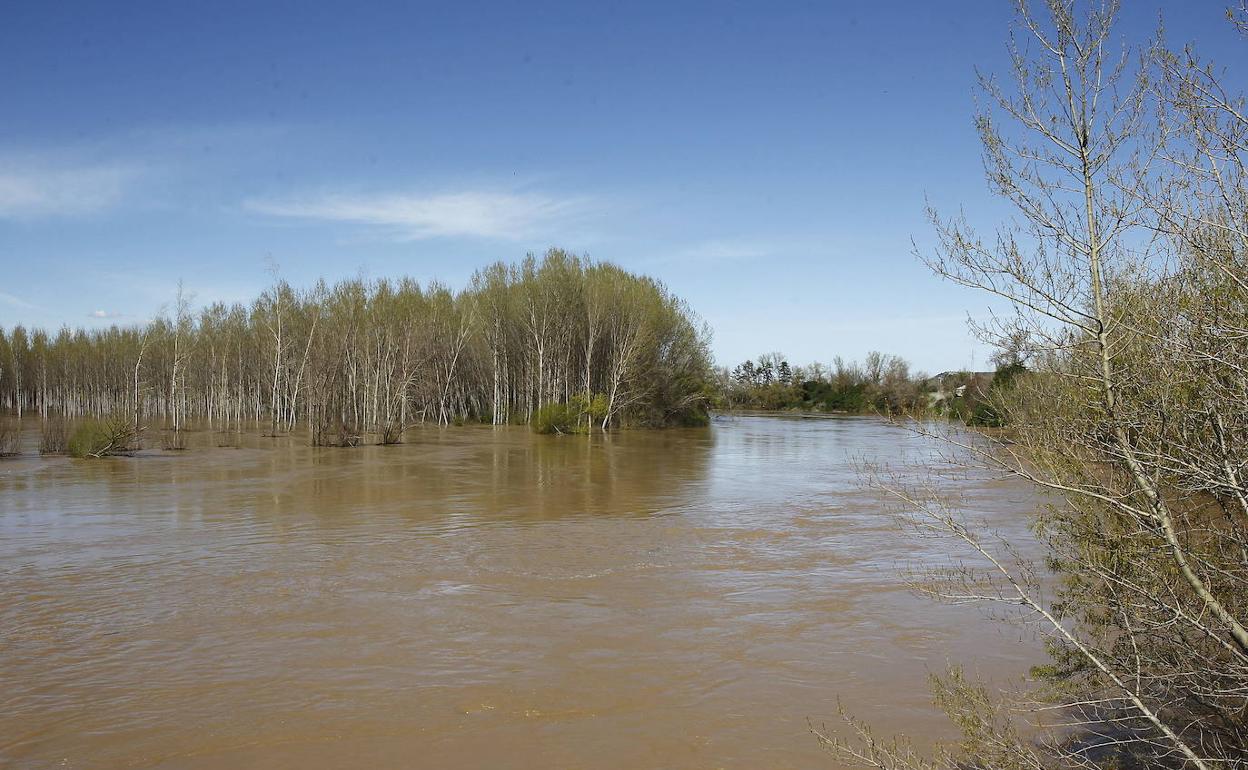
<point>507,216</point>
<point>50,191</point>
<point>103,314</point>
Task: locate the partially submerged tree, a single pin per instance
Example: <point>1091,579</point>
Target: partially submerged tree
<point>95,438</point>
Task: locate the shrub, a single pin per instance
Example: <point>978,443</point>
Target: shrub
<point>339,434</point>
<point>348,435</point>
<point>101,438</point>
<point>558,418</point>
<point>594,408</point>
<point>391,433</point>
<point>53,439</point>
<point>1006,374</point>
<point>578,415</point>
<point>695,418</point>
<point>10,437</point>
<point>985,415</point>
<point>850,398</point>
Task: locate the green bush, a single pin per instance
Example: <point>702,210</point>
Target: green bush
<point>100,438</point>
<point>594,408</point>
<point>694,418</point>
<point>1006,374</point>
<point>559,418</point>
<point>985,415</point>
<point>578,415</point>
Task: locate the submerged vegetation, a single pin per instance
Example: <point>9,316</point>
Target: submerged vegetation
<point>10,436</point>
<point>601,346</point>
<point>578,415</point>
<point>101,437</point>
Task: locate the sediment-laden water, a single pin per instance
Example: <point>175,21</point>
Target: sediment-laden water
<point>476,597</point>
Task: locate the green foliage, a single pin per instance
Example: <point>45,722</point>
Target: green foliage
<point>985,415</point>
<point>830,397</point>
<point>595,407</point>
<point>578,415</point>
<point>695,419</point>
<point>852,398</point>
<point>555,417</point>
<point>100,438</point>
<point>87,439</point>
<point>1006,374</point>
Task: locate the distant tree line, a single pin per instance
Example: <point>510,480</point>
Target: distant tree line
<point>880,383</point>
<point>366,356</point>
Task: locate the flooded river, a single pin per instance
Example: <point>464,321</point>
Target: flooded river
<point>475,598</point>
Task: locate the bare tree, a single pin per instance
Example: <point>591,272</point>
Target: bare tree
<point>1126,278</point>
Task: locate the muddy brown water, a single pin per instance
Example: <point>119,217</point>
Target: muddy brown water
<point>477,597</point>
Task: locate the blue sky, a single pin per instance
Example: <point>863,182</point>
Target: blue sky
<point>768,161</point>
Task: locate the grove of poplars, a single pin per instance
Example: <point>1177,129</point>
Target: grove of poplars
<point>378,355</point>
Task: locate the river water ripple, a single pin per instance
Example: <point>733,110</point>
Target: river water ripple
<point>477,597</point>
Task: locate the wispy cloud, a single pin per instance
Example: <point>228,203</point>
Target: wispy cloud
<point>14,301</point>
<point>47,190</point>
<point>105,314</point>
<point>405,217</point>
